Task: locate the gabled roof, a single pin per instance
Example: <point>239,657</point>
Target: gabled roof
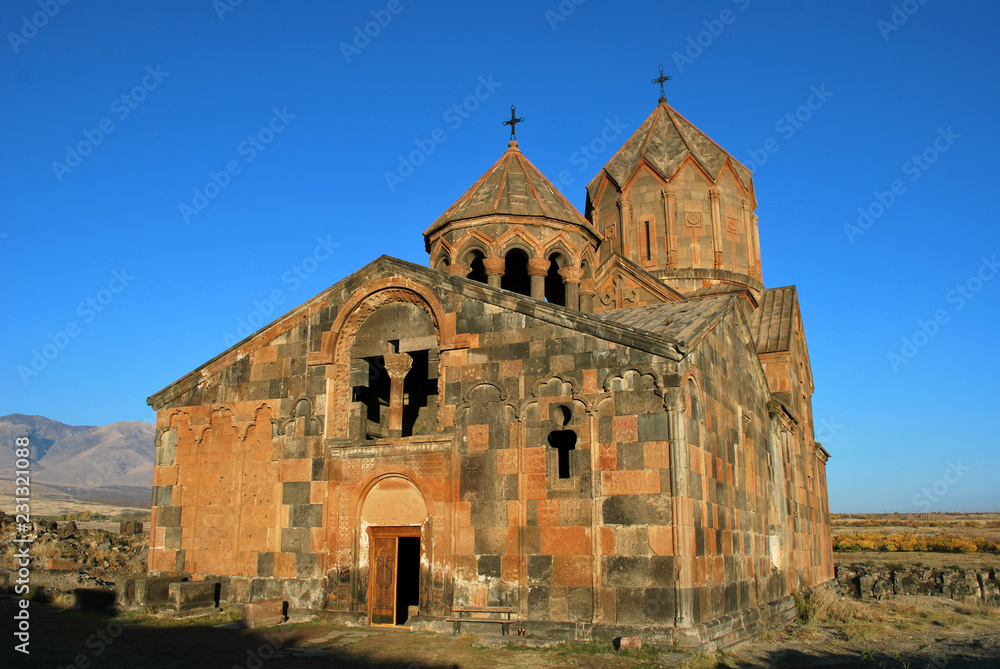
<point>619,263</point>
<point>773,322</point>
<point>684,322</point>
<point>512,187</point>
<point>665,140</point>
<point>596,325</point>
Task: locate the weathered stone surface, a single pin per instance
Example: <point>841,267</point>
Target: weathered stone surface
<point>869,581</point>
<point>264,613</point>
<point>61,564</point>
<point>628,643</point>
<point>189,595</point>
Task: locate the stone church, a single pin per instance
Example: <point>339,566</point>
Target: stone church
<point>601,420</point>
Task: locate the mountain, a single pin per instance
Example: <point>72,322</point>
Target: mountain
<point>84,459</point>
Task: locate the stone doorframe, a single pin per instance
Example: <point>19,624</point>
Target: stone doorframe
<point>417,524</point>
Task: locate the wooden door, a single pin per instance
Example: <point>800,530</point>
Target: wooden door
<point>383,578</point>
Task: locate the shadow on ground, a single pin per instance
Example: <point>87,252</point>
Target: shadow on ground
<point>67,638</point>
<point>798,659</point>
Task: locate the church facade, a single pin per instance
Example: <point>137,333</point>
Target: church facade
<point>601,420</point>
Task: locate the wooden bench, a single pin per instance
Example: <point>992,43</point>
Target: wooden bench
<point>472,612</point>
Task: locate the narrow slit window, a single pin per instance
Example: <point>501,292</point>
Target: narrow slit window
<point>649,248</point>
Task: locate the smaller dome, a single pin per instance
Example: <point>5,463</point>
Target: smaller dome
<point>512,187</point>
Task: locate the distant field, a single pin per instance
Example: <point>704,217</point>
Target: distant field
<point>968,540</point>
<point>972,525</point>
<point>50,502</point>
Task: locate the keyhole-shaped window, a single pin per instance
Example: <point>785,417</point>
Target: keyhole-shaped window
<point>563,441</point>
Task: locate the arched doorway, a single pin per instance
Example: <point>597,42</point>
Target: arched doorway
<point>392,516</point>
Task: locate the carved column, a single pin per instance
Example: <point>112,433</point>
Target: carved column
<point>670,221</point>
<point>713,196</point>
<point>682,509</point>
<point>748,231</point>
<point>397,365</point>
<point>756,245</point>
<point>459,269</point>
<point>587,291</point>
<point>621,228</point>
<point>538,269</point>
<point>494,270</point>
<point>626,226</point>
<point>571,277</point>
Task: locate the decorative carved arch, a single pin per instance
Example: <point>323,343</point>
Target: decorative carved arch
<point>537,387</point>
<point>312,425</point>
<point>221,416</point>
<point>501,398</point>
<point>441,251</point>
<point>336,348</point>
<point>469,248</point>
<point>557,250</point>
<point>474,238</point>
<point>179,419</point>
<point>561,243</point>
<point>261,418</point>
<point>626,376</point>
<point>518,237</point>
<point>374,477</point>
<point>691,387</point>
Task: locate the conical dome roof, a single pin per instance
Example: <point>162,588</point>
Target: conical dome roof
<point>512,187</point>
<point>664,140</point>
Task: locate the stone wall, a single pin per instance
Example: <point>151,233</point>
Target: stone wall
<point>568,471</point>
<point>971,586</point>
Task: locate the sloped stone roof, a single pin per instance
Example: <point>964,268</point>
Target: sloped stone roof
<point>513,187</point>
<point>683,322</point>
<point>773,322</point>
<point>664,140</point>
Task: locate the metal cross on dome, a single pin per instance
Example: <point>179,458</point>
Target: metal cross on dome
<point>659,80</point>
<point>514,120</point>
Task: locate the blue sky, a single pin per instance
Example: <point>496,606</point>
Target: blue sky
<point>172,168</point>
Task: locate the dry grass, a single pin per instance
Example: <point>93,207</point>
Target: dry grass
<point>823,611</point>
<point>714,661</point>
<point>824,606</point>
